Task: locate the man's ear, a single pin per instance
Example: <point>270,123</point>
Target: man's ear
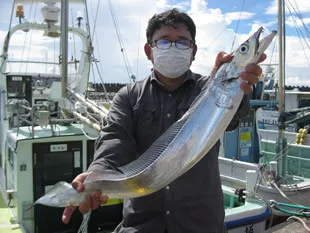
<point>194,51</point>
<point>148,51</point>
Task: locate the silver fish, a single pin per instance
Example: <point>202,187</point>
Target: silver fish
<point>182,145</point>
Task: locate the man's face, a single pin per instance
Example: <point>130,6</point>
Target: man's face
<point>169,32</point>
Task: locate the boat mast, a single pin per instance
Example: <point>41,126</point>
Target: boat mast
<point>281,150</point>
<point>64,45</point>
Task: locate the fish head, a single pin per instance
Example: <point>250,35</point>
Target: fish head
<point>248,52</point>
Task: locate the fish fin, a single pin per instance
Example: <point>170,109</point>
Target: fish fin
<point>99,174</point>
<point>94,175</point>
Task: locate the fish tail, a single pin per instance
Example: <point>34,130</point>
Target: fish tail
<point>61,194</point>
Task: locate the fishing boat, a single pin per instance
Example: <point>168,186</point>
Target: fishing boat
<point>273,140</point>
<point>47,123</point>
<point>48,127</point>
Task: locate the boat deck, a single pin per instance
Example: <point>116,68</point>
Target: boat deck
<point>6,226</point>
<point>290,226</point>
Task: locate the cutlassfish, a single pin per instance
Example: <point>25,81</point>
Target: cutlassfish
<point>183,144</point>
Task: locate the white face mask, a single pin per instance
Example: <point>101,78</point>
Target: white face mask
<point>172,62</point>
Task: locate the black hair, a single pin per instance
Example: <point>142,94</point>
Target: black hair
<point>169,17</point>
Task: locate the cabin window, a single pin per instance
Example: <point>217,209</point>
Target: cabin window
<point>303,103</point>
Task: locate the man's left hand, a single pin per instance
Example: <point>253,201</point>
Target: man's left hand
<point>250,75</point>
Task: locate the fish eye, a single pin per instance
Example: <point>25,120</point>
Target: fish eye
<point>244,49</point>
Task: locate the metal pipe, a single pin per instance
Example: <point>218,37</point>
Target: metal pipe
<point>90,105</point>
<point>281,65</point>
<point>85,120</point>
<point>64,45</point>
<point>281,142</point>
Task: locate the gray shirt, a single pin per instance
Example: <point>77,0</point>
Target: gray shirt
<point>140,113</point>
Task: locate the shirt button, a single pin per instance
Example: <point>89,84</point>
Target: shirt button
<point>167,187</point>
<point>168,115</point>
<point>167,212</point>
<point>169,95</point>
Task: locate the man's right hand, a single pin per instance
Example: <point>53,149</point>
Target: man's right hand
<point>90,202</point>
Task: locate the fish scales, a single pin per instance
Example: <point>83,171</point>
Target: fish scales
<point>182,145</point>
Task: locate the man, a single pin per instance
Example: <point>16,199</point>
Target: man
<point>141,112</point>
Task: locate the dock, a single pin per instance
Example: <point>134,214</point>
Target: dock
<point>290,226</point>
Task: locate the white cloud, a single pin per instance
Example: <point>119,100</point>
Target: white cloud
<point>295,22</point>
<point>302,6</point>
<point>239,15</point>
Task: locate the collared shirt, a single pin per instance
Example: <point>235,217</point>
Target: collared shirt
<point>140,113</point>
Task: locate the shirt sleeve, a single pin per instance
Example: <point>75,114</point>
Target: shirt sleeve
<point>242,111</point>
<point>115,146</point>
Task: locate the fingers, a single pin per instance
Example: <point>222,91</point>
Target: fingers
<point>85,205</point>
<point>262,58</point>
<point>249,78</point>
<point>92,202</point>
<point>222,57</point>
<point>77,183</point>
<point>253,69</point>
<point>246,87</point>
<point>66,216</point>
<point>97,200</point>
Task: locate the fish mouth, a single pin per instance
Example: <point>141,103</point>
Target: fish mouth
<point>261,45</point>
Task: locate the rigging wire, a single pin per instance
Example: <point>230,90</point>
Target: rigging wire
<point>73,37</point>
<point>300,18</point>
<point>99,68</point>
<point>25,40</point>
<point>209,45</point>
<point>300,34</point>
<point>127,64</point>
<point>31,35</point>
<point>87,19</point>
<point>95,20</point>
<point>238,22</point>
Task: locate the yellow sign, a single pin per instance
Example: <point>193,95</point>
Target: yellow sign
<point>245,136</point>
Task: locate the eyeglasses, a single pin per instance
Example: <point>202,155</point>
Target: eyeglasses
<point>166,44</point>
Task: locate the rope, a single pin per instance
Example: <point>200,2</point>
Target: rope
<point>283,194</point>
<point>276,205</point>
<point>238,22</point>
<point>300,220</point>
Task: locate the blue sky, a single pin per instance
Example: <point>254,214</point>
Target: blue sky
<point>216,23</point>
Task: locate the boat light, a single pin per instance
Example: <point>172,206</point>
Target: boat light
<point>20,11</point>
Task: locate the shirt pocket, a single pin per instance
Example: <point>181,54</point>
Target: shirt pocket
<point>147,124</point>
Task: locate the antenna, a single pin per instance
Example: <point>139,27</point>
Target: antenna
<point>79,18</point>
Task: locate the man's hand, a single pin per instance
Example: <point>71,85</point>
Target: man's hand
<point>249,75</point>
<point>90,202</point>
